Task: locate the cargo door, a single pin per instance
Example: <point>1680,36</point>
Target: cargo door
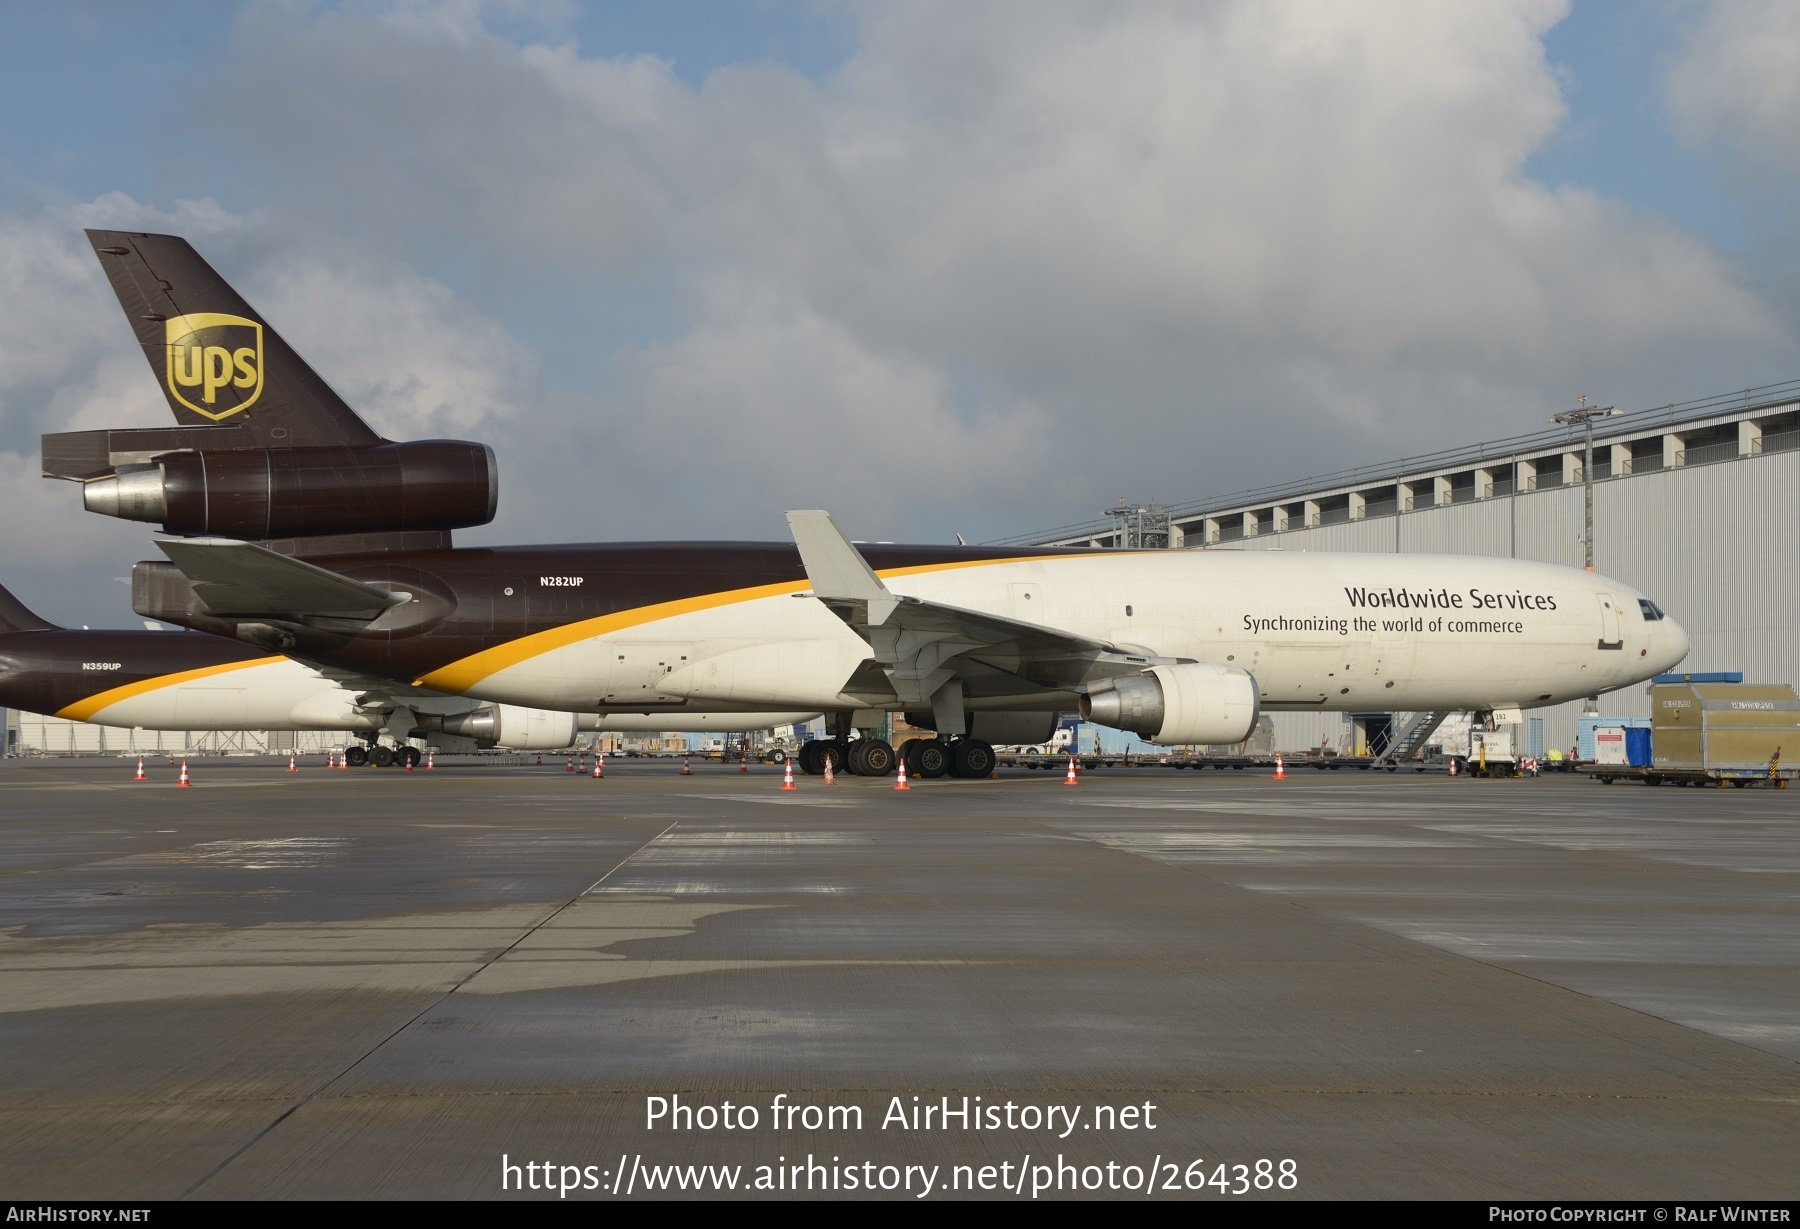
<point>1611,637</point>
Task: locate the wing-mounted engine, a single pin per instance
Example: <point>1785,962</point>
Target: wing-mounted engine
<point>1188,703</point>
<point>513,727</point>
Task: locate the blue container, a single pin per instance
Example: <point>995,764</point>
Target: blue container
<point>1584,730</point>
<point>1637,747</point>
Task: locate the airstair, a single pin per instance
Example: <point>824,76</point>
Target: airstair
<point>1410,741</point>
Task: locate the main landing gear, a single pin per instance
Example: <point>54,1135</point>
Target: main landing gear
<point>926,758</point>
<point>383,756</point>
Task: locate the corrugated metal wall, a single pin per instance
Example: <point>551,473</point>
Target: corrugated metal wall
<point>40,735</point>
<point>1717,546</point>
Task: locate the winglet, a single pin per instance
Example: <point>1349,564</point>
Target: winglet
<point>835,567</point>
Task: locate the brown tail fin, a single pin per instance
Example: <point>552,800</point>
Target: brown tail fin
<point>14,617</point>
<point>216,360</point>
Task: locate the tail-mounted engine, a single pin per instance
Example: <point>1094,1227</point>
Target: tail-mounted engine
<point>291,492</point>
<point>1190,703</point>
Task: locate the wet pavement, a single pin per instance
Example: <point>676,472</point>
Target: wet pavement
<point>371,983</point>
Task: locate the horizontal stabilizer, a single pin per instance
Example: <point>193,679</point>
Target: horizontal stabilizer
<point>81,455</point>
<point>239,579</point>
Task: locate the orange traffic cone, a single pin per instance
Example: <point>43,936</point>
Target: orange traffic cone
<point>744,763</point>
<point>406,758</point>
<point>540,762</point>
<point>901,783</point>
<point>687,766</point>
<point>599,766</point>
<point>184,783</point>
<point>140,772</point>
<point>787,779</point>
<point>292,766</point>
<point>1280,772</point>
<point>830,777</point>
<point>1453,765</point>
<point>569,764</point>
<point>431,758</point>
<point>1070,779</point>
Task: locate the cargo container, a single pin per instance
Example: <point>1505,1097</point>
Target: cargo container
<point>1714,733</point>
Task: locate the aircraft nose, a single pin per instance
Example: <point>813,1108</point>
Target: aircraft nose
<point>1671,645</point>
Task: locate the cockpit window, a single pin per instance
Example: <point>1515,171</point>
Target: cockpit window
<point>1652,612</point>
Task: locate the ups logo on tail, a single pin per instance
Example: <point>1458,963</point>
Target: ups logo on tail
<point>215,362</point>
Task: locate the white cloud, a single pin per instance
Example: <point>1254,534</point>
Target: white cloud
<point>1165,233</point>
<point>1734,86</point>
<point>412,358</point>
<point>1010,261</point>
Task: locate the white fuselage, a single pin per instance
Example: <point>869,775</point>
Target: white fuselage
<point>1318,631</point>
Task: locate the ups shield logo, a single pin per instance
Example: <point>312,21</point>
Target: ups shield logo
<point>215,362</point>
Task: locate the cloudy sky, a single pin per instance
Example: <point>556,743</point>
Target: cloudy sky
<point>938,267</point>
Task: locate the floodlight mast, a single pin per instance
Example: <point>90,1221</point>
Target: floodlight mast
<point>1585,414</point>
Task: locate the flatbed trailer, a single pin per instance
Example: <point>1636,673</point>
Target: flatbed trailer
<point>1741,778</point>
<point>1059,762</point>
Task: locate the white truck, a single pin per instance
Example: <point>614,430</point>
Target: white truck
<point>1493,753</point>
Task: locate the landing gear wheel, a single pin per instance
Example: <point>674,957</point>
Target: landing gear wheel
<point>871,757</point>
<point>808,758</point>
<point>409,757</point>
<point>838,754</point>
<point>972,758</point>
<point>382,757</point>
<point>356,757</point>
<point>928,758</point>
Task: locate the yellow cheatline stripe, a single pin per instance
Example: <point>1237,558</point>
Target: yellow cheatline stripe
<point>83,710</point>
<point>466,672</point>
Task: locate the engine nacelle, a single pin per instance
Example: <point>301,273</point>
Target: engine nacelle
<point>1196,702</point>
<point>298,492</point>
<point>520,729</point>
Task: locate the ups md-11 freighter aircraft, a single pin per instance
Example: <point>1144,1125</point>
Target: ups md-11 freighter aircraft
<point>153,680</point>
<point>304,532</point>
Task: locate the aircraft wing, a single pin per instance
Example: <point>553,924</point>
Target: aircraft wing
<point>923,646</point>
<point>239,579</point>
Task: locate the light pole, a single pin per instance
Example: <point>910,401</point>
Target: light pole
<point>1585,414</point>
